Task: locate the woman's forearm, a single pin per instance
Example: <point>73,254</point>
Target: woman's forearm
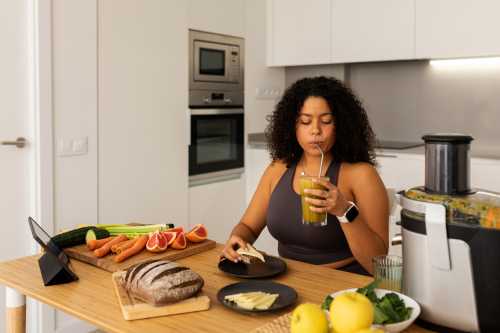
<point>245,232</point>
<point>364,242</point>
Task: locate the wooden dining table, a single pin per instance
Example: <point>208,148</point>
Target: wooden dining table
<point>93,299</point>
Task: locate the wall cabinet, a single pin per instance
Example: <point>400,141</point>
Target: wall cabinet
<point>338,31</point>
<point>345,31</point>
<point>298,32</point>
<point>372,30</point>
<point>457,28</point>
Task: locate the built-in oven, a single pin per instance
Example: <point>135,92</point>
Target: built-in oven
<point>216,150</point>
<point>215,70</point>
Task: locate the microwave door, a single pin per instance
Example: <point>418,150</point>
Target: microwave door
<point>211,62</point>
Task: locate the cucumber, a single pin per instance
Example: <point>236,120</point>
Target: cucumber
<point>72,237</point>
<point>97,233</point>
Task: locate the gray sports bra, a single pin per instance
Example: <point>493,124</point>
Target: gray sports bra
<point>315,245</point>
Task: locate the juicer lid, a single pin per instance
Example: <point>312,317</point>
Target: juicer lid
<point>447,138</point>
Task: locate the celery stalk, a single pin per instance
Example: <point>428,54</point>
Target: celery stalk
<point>133,231</point>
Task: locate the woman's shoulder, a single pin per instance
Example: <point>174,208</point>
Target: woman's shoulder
<point>276,168</point>
<point>358,167</point>
<point>354,172</point>
<point>274,172</point>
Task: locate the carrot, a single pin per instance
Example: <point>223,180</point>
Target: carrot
<point>103,250</point>
<point>120,247</point>
<point>97,243</point>
<point>138,246</point>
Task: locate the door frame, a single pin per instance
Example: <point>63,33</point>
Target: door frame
<point>40,19</point>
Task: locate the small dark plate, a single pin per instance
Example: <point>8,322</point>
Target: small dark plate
<point>287,295</point>
<point>272,267</point>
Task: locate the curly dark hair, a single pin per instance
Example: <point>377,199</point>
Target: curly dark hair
<point>354,136</point>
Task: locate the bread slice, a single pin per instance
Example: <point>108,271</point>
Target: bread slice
<point>250,254</point>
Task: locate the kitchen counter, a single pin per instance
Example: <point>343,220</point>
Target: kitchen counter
<point>258,141</point>
<point>93,299</point>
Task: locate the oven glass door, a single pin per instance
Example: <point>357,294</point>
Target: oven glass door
<point>216,143</point>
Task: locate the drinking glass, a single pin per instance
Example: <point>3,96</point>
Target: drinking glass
<point>388,270</point>
<point>308,216</point>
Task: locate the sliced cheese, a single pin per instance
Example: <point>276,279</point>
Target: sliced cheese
<point>253,300</point>
<point>252,252</point>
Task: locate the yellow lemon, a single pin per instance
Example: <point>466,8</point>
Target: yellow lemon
<point>351,312</point>
<point>308,318</point>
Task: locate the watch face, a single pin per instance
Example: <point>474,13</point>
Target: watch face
<point>352,213</point>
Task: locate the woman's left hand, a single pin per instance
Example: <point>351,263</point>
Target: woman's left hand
<point>328,200</point>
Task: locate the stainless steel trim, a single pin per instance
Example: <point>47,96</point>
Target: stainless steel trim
<point>214,177</point>
<point>385,155</point>
<point>202,112</point>
<point>19,143</point>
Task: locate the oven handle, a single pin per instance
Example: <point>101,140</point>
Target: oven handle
<point>188,125</point>
<point>202,112</point>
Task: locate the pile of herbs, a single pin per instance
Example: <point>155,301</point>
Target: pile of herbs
<point>388,309</point>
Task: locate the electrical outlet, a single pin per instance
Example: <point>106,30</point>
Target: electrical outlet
<point>268,93</point>
<point>72,147</point>
<point>80,146</point>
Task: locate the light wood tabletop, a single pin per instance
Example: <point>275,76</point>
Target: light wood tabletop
<point>93,299</point>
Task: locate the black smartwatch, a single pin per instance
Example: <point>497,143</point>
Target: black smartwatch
<point>350,214</point>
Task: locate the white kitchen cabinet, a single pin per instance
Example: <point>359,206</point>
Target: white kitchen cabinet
<point>218,16</point>
<point>401,171</point>
<point>219,206</point>
<point>339,31</point>
<point>372,30</point>
<point>143,98</point>
<point>257,160</point>
<point>485,174</point>
<point>457,28</point>
<point>298,32</point>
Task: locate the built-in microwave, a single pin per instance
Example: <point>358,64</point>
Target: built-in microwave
<point>215,70</point>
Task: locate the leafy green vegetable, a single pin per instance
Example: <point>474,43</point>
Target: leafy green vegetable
<point>326,303</point>
<point>369,291</point>
<point>387,310</point>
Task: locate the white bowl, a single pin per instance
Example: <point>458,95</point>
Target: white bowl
<point>396,327</point>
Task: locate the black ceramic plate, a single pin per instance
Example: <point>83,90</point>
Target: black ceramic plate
<point>272,267</point>
<point>287,295</point>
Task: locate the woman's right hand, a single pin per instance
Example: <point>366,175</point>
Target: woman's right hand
<point>229,250</point>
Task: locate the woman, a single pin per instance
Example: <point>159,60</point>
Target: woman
<point>319,111</point>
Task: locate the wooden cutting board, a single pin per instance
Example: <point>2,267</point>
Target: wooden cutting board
<point>107,263</point>
<point>133,308</point>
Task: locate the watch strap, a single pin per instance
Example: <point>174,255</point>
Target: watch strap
<point>350,214</point>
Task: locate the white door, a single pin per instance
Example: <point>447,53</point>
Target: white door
<point>16,120</point>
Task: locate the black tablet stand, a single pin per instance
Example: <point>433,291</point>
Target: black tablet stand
<point>54,262</point>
